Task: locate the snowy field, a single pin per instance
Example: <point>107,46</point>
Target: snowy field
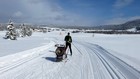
<point>97,56</point>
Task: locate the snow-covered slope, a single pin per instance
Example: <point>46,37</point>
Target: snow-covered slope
<point>98,57</point>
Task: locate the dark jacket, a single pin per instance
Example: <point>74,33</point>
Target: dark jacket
<point>68,39</point>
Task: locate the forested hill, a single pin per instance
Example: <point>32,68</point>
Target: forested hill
<point>127,25</point>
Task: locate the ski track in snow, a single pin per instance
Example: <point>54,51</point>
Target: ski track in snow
<point>22,57</point>
<point>89,61</point>
<point>116,68</point>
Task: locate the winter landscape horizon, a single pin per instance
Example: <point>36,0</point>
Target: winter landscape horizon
<point>95,56</point>
<point>105,39</point>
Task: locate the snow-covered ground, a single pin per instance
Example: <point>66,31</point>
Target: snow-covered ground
<point>97,56</point>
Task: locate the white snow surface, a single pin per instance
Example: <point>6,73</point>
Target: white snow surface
<point>95,56</point>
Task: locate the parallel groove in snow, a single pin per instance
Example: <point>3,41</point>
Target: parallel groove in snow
<point>36,52</point>
<point>123,68</point>
<point>89,61</point>
<point>96,63</point>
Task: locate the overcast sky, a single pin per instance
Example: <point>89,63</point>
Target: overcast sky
<point>69,12</point>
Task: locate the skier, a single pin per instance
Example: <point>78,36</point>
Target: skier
<point>68,40</point>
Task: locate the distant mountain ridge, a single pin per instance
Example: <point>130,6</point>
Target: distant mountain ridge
<point>124,26</point>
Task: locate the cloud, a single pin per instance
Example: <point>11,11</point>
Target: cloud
<point>50,12</point>
<point>39,12</point>
<point>42,12</point>
<point>18,14</point>
<point>120,20</point>
<point>35,1</point>
<point>122,3</point>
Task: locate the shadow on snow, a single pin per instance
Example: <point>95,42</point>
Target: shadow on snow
<point>53,59</point>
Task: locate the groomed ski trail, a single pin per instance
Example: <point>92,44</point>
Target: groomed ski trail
<point>89,61</point>
<point>108,66</point>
